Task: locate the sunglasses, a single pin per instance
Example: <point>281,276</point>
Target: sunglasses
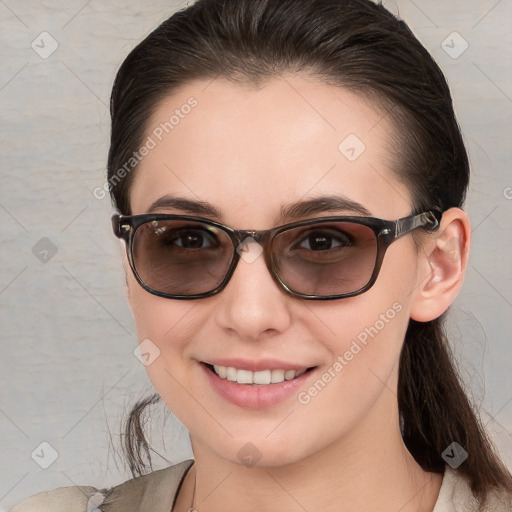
<point>185,257</point>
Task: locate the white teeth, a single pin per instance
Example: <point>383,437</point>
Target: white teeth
<point>221,371</point>
<point>231,374</point>
<point>277,376</point>
<point>289,374</point>
<point>244,377</point>
<point>262,377</point>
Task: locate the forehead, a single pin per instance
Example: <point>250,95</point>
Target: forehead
<point>249,150</point>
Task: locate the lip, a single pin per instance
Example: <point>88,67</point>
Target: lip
<point>255,396</point>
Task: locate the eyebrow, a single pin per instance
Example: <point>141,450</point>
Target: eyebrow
<point>292,211</point>
<point>185,205</point>
<point>322,204</point>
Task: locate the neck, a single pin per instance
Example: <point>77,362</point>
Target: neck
<point>367,470</point>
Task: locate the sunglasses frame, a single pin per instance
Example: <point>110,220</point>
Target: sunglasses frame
<point>386,232</point>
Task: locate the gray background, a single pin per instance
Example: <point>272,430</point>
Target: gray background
<point>68,373</point>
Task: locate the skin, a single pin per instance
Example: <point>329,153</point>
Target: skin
<point>249,151</point>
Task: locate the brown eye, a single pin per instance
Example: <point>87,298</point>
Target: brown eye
<point>191,239</point>
<point>324,240</point>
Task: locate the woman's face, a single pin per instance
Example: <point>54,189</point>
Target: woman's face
<point>250,153</point>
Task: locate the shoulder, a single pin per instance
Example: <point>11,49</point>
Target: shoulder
<point>149,492</point>
<point>155,491</point>
<point>455,495</point>
<point>63,499</point>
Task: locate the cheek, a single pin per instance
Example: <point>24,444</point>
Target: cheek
<point>365,351</point>
<point>166,323</point>
<point>154,316</point>
<point>165,328</point>
<point>367,336</point>
<point>367,332</point>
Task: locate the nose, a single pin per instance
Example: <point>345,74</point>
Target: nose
<point>253,305</point>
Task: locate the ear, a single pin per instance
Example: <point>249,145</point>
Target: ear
<point>443,261</point>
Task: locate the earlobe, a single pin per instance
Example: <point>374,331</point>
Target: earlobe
<point>444,261</point>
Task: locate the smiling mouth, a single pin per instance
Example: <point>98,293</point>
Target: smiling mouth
<point>263,377</point>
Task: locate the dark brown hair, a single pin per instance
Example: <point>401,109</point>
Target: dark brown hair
<point>358,45</point>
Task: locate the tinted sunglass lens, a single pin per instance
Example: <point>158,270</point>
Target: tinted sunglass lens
<point>331,258</point>
<point>180,257</point>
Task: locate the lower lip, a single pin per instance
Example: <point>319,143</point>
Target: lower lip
<point>255,396</point>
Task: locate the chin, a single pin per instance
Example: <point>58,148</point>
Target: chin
<point>258,452</point>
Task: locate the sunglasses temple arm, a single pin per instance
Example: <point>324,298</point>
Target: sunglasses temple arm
<point>429,220</point>
<point>116,227</point>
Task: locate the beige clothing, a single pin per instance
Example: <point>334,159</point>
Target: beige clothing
<point>156,492</point>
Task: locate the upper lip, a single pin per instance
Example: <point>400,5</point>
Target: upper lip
<point>256,366</point>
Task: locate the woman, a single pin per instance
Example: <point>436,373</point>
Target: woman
<point>289,177</point>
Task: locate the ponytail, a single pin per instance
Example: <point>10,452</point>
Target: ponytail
<point>435,411</point>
